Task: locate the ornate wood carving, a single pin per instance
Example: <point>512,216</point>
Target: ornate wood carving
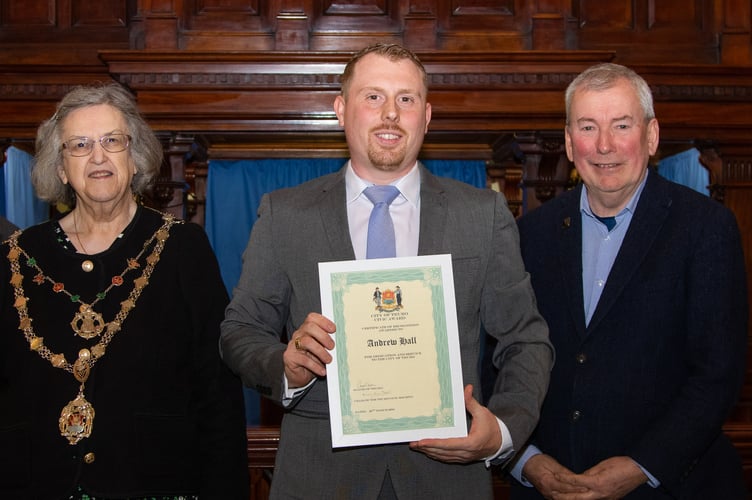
<point>546,167</point>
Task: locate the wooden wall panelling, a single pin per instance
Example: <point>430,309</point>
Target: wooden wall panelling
<point>251,105</point>
<point>226,15</point>
<point>15,13</point>
<point>552,25</point>
<point>549,32</point>
<point>347,25</point>
<point>46,48</point>
<point>293,25</point>
<point>734,26</point>
<point>701,101</point>
<point>98,15</point>
<point>63,21</point>
<point>502,25</point>
<point>492,91</point>
<point>28,95</point>
<point>475,96</point>
<point>420,24</point>
<point>157,24</point>
<point>681,31</point>
<point>232,92</point>
<point>228,25</point>
<point>698,31</point>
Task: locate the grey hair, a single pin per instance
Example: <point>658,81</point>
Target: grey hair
<point>145,148</point>
<point>606,75</point>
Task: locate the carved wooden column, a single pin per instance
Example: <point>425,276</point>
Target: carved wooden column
<point>504,172</point>
<point>196,175</point>
<point>547,171</point>
<point>170,189</point>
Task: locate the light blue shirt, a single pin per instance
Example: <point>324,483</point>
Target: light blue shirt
<point>600,247</point>
<point>599,250</point>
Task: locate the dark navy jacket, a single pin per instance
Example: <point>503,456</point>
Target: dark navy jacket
<point>660,366</point>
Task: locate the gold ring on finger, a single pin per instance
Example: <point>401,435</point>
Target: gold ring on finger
<point>297,344</point>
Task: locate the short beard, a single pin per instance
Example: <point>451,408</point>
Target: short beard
<point>387,161</point>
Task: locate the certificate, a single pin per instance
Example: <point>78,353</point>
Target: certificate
<point>396,373</point>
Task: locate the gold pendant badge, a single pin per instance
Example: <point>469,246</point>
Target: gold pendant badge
<point>76,419</point>
<point>87,323</point>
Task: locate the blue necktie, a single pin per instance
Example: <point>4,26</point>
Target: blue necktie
<point>609,222</point>
<point>380,227</point>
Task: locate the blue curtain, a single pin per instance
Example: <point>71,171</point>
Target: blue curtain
<point>685,169</point>
<point>3,196</point>
<point>22,207</point>
<point>233,193</point>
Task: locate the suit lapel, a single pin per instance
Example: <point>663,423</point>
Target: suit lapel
<point>649,216</point>
<point>433,214</point>
<point>333,212</point>
<point>569,235</point>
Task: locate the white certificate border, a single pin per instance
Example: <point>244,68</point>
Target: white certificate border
<point>458,426</point>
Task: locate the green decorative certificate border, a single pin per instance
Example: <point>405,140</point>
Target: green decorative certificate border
<point>430,275</point>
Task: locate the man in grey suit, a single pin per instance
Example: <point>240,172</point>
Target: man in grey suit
<point>385,114</point>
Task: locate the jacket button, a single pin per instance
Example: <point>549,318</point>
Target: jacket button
<point>576,415</point>
<point>89,458</point>
<point>581,358</point>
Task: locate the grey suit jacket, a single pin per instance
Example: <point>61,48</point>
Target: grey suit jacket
<point>302,226</point>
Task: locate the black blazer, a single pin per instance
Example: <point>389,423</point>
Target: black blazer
<point>169,415</point>
<point>660,366</point>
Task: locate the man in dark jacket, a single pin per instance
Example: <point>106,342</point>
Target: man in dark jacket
<point>643,286</point>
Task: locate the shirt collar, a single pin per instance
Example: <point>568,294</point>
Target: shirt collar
<point>630,206</point>
<point>408,184</point>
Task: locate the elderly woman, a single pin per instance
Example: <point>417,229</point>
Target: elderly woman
<point>111,385</point>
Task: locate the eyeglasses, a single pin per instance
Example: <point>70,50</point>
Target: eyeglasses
<point>112,143</point>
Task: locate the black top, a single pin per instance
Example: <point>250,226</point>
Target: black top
<point>6,228</point>
<point>169,415</point>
